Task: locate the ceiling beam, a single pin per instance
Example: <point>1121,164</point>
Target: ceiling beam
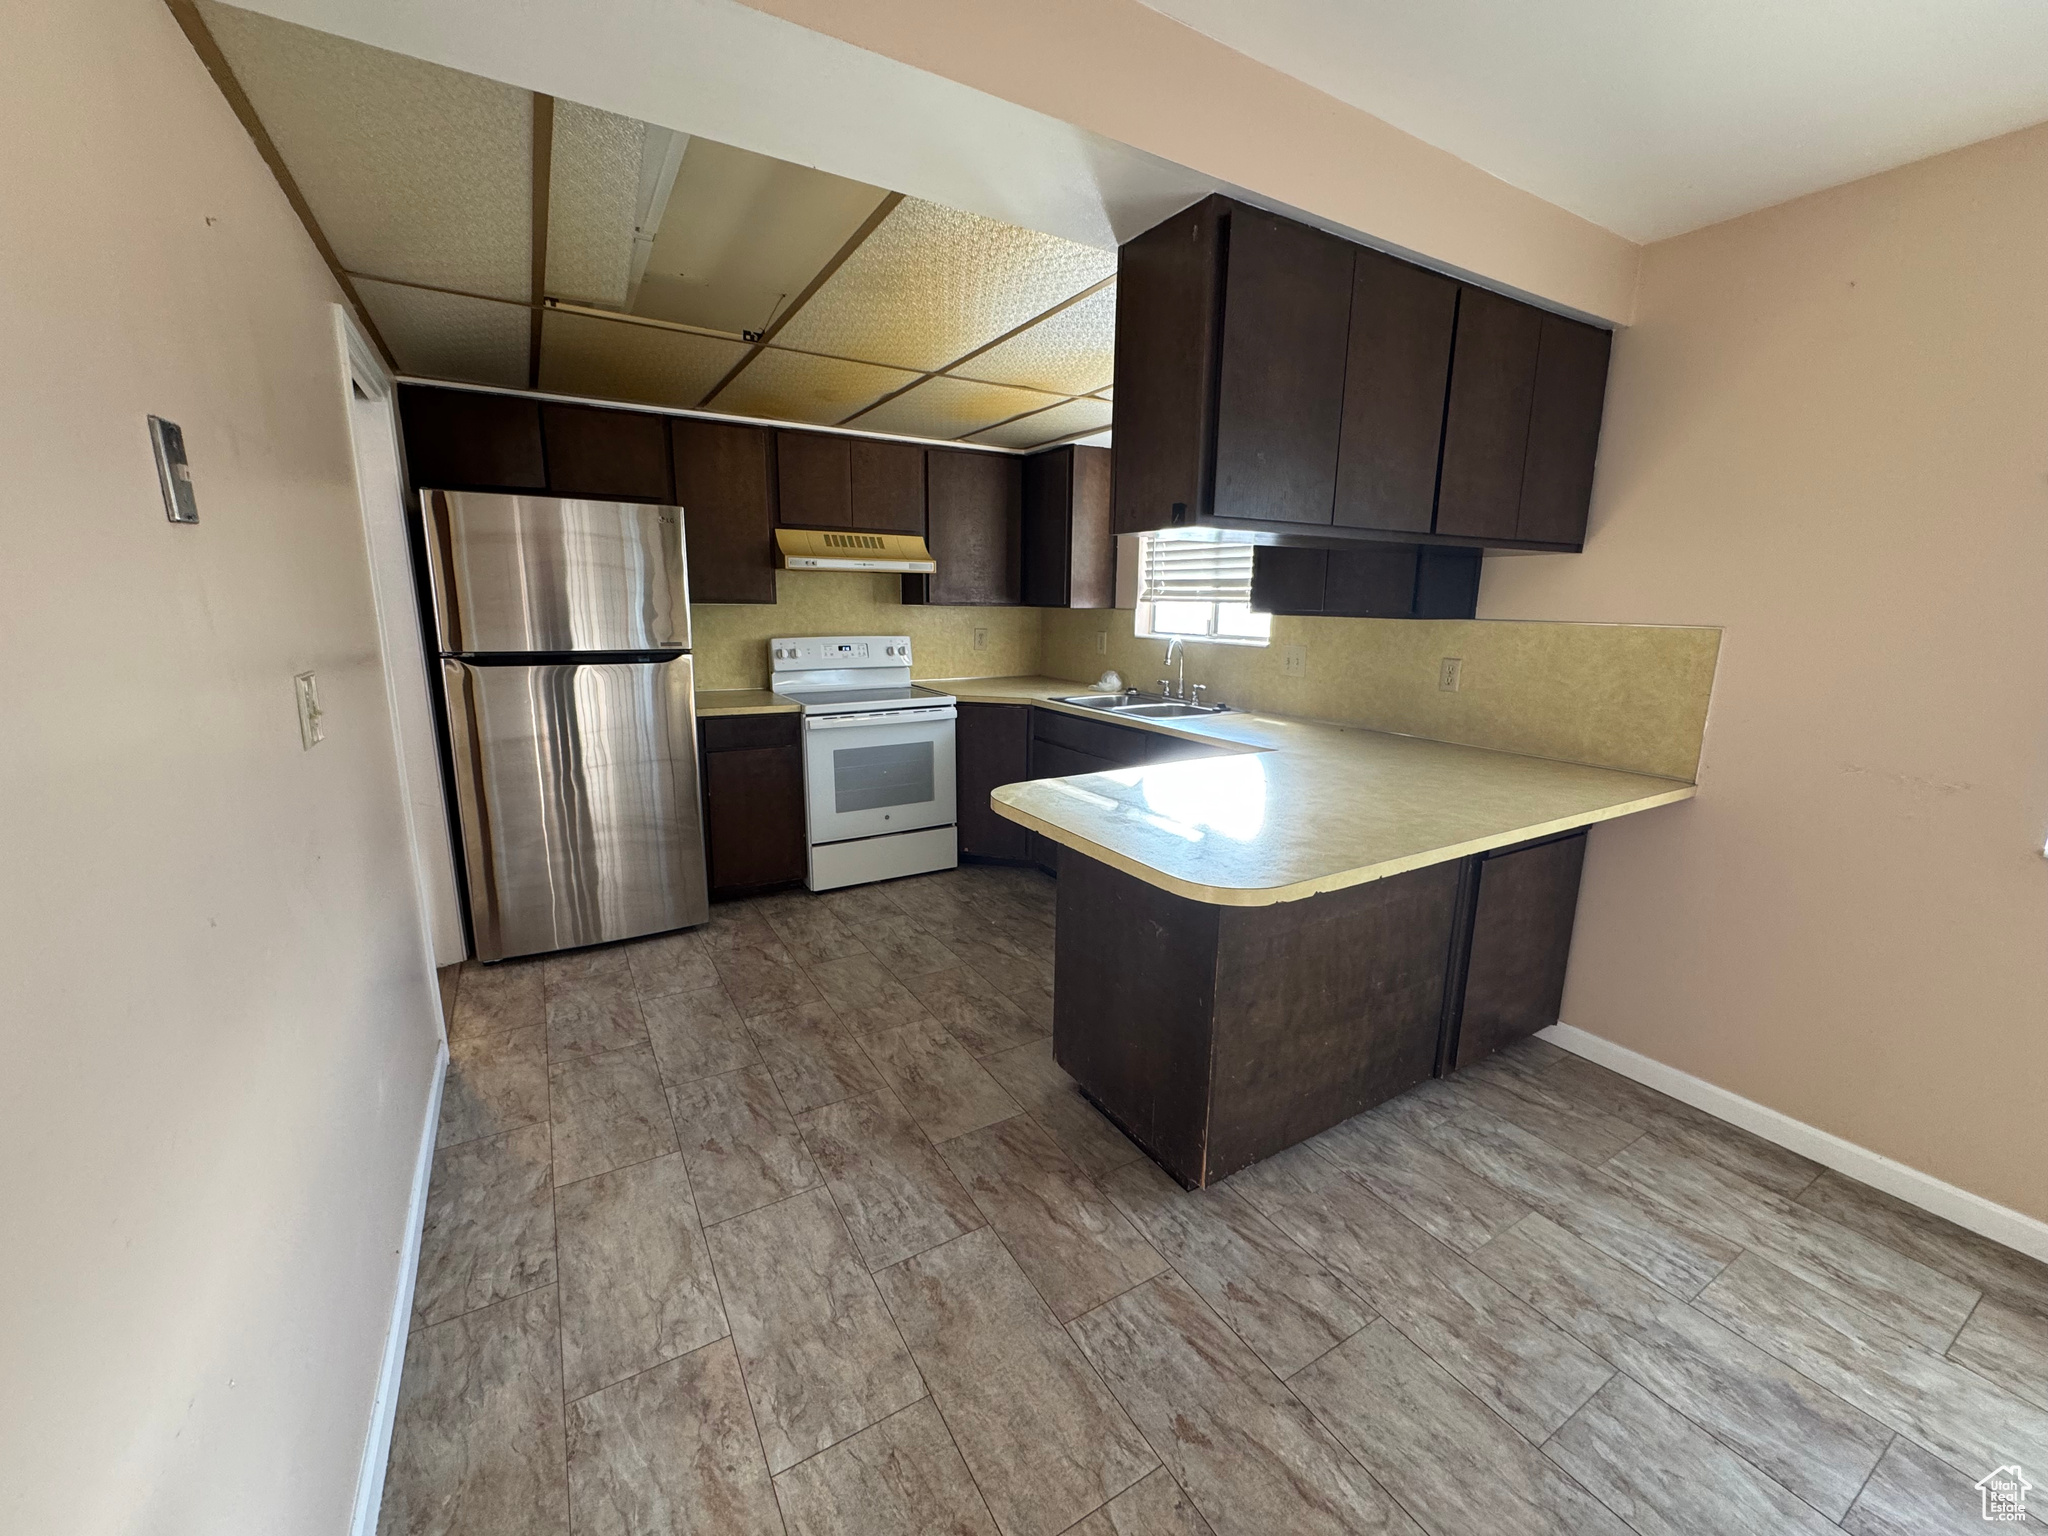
<point>839,259</point>
<point>193,25</point>
<point>543,175</point>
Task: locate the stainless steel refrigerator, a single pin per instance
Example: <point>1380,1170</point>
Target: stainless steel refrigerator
<point>564,636</point>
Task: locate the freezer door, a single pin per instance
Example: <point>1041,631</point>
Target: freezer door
<point>531,573</point>
<point>577,789</point>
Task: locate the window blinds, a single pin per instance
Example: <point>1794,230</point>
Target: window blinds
<point>1174,570</point>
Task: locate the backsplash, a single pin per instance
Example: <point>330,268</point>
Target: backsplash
<point>731,639</point>
<point>1630,696</point>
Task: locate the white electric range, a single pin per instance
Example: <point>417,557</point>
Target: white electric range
<point>878,758</point>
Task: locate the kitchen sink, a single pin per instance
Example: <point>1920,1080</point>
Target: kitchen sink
<point>1142,706</point>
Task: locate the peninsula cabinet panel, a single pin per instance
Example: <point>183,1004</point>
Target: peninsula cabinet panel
<point>1486,422</point>
<point>724,486</point>
<point>1069,551</point>
<point>813,481</point>
<point>466,440</point>
<point>1280,380</point>
<point>1521,941</point>
<point>1398,366</point>
<point>620,455</point>
<point>887,486</point>
<point>974,515</point>
<point>1564,431</point>
<point>994,749</point>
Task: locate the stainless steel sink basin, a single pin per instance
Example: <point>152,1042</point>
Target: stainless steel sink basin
<point>1144,706</point>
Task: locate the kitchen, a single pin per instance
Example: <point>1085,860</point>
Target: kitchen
<point>1039,854</point>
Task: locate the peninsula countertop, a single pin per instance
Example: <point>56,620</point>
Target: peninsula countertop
<point>1300,807</point>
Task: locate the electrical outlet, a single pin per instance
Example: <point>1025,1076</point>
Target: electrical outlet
<point>980,638</point>
<point>1294,661</point>
<point>1449,674</point>
<point>1102,642</point>
<point>310,732</point>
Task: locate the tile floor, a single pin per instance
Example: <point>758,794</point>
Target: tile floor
<point>790,1224</point>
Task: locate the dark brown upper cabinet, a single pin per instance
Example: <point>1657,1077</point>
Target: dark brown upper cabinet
<point>1280,370</point>
<point>724,486</point>
<point>974,517</point>
<point>813,480</point>
<point>620,455</point>
<point>1069,552</point>
<point>1564,431</point>
<point>1486,423</point>
<point>887,486</point>
<point>1367,581</point>
<point>467,440</point>
<point>1273,379</point>
<point>1395,373</point>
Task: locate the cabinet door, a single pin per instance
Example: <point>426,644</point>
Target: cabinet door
<point>594,452</point>
<point>813,487</point>
<point>994,748</point>
<point>1280,389</point>
<point>1048,527</point>
<point>1564,431</point>
<point>1446,582</point>
<point>464,440</point>
<point>1521,940</point>
<point>1091,543</point>
<point>1486,425</point>
<point>722,485</point>
<point>1288,580</point>
<point>1052,761</point>
<point>888,486</point>
<point>1398,366</point>
<point>754,809</point>
<point>975,523</point>
<point>1374,581</point>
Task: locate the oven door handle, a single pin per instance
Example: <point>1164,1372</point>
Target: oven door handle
<point>880,717</point>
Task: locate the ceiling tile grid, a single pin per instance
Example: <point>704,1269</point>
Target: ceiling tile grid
<point>618,360</point>
<point>794,386</point>
<point>593,188</point>
<point>1059,423</point>
<point>1070,353</point>
<point>448,336</point>
<point>931,284</point>
<point>950,407</point>
<point>413,171</point>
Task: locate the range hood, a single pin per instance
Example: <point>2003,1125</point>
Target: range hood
<point>808,549</point>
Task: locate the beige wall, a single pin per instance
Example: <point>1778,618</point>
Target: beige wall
<point>731,639</point>
<point>1129,73</point>
<point>216,1015</point>
<point>1630,696</point>
<point>1828,431</point>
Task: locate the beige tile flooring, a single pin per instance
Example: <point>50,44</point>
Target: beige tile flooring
<point>790,1224</point>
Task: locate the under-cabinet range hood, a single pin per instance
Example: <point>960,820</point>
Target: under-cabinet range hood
<point>806,549</point>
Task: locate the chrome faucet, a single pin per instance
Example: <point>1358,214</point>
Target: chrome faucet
<point>1176,655</point>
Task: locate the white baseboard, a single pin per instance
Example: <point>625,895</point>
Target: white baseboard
<point>384,1410</point>
<point>1987,1219</point>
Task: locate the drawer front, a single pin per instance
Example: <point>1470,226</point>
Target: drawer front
<point>1120,744</point>
<point>1049,760</point>
<point>744,733</point>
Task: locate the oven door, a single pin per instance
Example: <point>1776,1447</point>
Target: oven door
<point>875,773</point>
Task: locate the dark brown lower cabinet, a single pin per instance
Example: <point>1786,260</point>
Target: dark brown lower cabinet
<point>753,769</point>
<point>1216,1036</point>
<point>992,747</point>
<point>1521,938</point>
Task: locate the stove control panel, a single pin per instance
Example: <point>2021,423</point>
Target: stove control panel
<point>790,653</point>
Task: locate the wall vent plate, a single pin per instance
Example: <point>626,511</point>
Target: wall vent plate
<point>173,472</point>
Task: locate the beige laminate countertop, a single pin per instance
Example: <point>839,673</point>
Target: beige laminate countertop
<point>1301,806</point>
<point>742,701</point>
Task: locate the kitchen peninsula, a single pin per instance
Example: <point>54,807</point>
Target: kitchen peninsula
<point>1304,920</point>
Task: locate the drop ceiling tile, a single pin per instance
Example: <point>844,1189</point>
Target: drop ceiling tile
<point>743,235</point>
<point>447,336</point>
<point>412,171</point>
<point>950,407</point>
<point>617,360</point>
<point>593,190</point>
<point>1070,353</point>
<point>1054,425</point>
<point>794,386</point>
<point>931,284</point>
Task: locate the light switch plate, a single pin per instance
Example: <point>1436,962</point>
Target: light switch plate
<point>173,471</point>
<point>1294,661</point>
<point>308,688</point>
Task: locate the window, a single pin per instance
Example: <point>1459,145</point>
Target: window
<point>1199,589</point>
